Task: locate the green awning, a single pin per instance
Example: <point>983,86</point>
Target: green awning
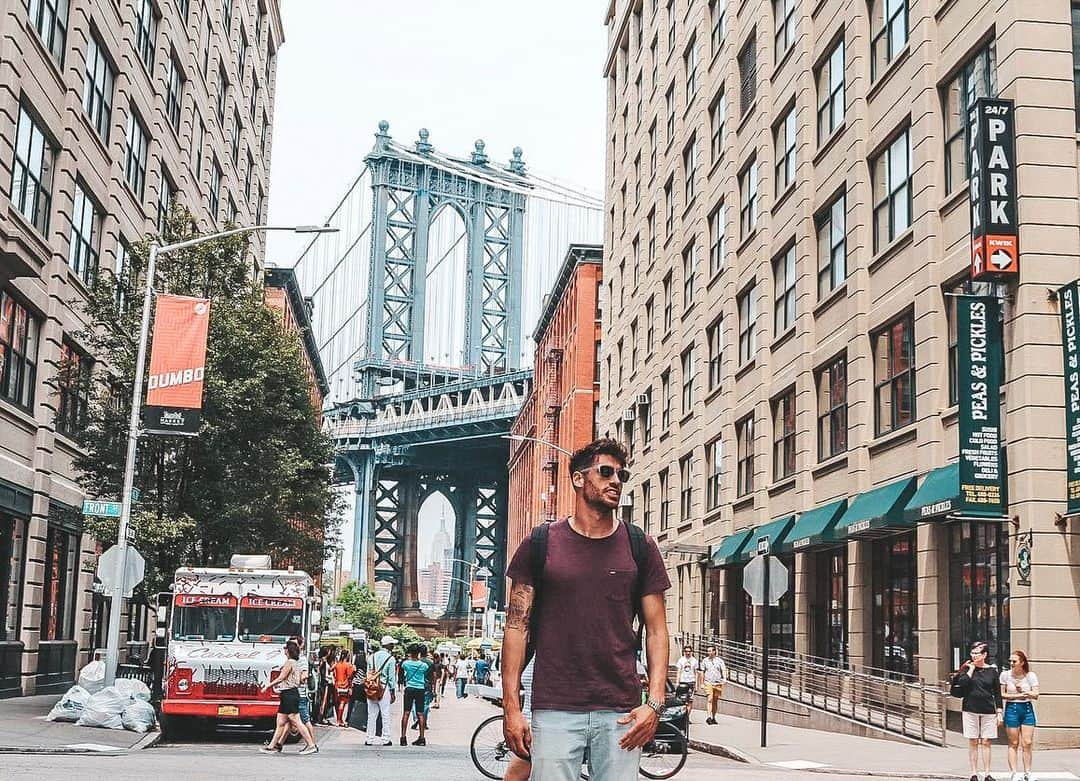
<point>777,532</point>
<point>939,494</point>
<point>727,552</point>
<point>880,509</point>
<point>817,527</point>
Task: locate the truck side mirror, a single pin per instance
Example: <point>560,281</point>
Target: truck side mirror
<point>316,617</point>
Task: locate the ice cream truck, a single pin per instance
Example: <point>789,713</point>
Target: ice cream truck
<point>224,631</point>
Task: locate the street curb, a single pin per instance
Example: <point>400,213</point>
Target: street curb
<point>149,740</point>
<point>721,751</point>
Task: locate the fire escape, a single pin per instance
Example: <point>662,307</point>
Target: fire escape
<point>552,408</point>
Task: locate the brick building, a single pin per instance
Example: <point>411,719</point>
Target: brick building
<point>281,292</point>
<point>110,113</point>
<point>788,223</point>
<point>562,406</point>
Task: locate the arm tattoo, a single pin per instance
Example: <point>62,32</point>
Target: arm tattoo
<point>519,610</point>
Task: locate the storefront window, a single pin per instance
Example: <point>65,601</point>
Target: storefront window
<point>740,609</point>
<point>58,593</point>
<point>830,613</point>
<point>895,620</point>
<point>782,617</point>
<point>12,550</point>
<point>978,589</point>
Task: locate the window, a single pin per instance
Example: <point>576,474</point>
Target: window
<point>829,626</point>
<point>832,409</point>
<point>671,25</point>
<point>714,465</point>
<point>979,587</point>
<point>50,19</point>
<point>73,384</point>
<point>689,270</point>
<point>175,97</point>
<point>135,158</point>
<point>234,142</point>
<point>717,118</point>
<point>233,213</point>
<point>619,360</point>
<point>32,172</point>
<point>665,398</point>
<point>639,102</point>
<point>784,25</point>
<point>166,196</point>
<point>254,96</point>
<point>652,148</point>
<point>668,303</point>
<point>146,33</point>
<point>717,23</point>
<point>830,92</point>
<point>646,509</point>
<point>891,181</point>
<point>690,63</point>
<point>650,327</point>
<point>688,371</point>
<point>895,620</point>
<point>122,273</point>
<point>748,192</point>
<point>669,207</point>
<point>784,144</point>
<point>784,435</point>
<point>747,75</point>
<point>215,189</point>
<point>669,104</point>
<point>784,292</point>
<point>646,419</point>
<point>197,148</point>
<point>977,78</point>
<point>259,206</point>
<point>241,55</point>
<point>207,32</point>
<point>665,500</point>
<point>12,562</point>
<point>264,139</point>
<point>894,375</point>
<point>714,337</point>
<point>831,224</point>
<point>622,285</point>
<point>226,12</point>
<point>686,487</point>
<point>19,332</point>
<point>652,236</point>
<point>98,87</point>
<point>690,162</point>
<point>748,312</point>
<point>249,172</point>
<point>744,468</point>
<point>633,346</point>
<point>889,20</point>
<point>717,239</point>
<point>58,590</point>
<point>654,61</point>
<point>222,89</point>
<point>84,247</point>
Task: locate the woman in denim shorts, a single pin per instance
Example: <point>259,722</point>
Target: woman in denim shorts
<point>1019,690</point>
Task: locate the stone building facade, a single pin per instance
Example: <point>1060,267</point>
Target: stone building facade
<point>110,113</point>
<point>787,222</point>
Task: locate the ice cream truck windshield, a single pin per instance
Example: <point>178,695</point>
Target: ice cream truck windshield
<point>206,617</point>
<point>270,619</point>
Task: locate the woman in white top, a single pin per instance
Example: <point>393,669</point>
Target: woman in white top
<point>1019,689</point>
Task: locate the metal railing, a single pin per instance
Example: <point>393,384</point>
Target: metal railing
<point>895,702</point>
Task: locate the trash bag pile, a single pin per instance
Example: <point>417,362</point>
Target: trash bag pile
<point>124,705</point>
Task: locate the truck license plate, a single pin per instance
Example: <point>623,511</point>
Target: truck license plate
<point>228,710</point>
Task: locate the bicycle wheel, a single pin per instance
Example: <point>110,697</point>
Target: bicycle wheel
<point>664,755</point>
<point>488,749</point>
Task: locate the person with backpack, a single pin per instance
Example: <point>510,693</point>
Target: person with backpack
<point>589,570</point>
<point>380,688</point>
<point>977,682</point>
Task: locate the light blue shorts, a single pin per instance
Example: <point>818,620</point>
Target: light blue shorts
<point>561,737</point>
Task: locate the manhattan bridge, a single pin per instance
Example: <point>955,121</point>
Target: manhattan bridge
<point>422,300</point>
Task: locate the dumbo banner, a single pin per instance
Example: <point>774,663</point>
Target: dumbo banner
<point>177,365</point>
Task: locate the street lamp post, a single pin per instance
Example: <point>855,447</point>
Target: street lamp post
<point>522,438</point>
<point>112,652</point>
<point>474,569</point>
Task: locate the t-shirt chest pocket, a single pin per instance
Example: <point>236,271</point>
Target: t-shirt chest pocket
<point>618,584</point>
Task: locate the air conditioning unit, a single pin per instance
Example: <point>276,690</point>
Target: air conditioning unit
<point>643,399</point>
<point>628,415</point>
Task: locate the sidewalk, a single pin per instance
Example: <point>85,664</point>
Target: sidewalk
<point>828,752</point>
<point>23,730</point>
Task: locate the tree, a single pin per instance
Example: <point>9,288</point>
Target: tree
<point>363,608</point>
<point>256,478</point>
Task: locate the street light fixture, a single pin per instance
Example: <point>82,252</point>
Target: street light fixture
<point>112,652</point>
<point>522,438</point>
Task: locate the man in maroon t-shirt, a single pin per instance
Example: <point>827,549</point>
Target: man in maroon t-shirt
<point>586,691</point>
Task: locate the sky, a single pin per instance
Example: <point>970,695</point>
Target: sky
<point>510,72</point>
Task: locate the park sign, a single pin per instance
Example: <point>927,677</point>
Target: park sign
<point>979,377</point>
<point>1069,298</point>
<point>177,366</point>
<point>992,190</point>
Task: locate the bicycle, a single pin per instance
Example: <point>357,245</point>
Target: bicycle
<point>661,758</point>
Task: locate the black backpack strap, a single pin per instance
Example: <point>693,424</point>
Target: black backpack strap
<point>638,550</point>
<point>538,544</point>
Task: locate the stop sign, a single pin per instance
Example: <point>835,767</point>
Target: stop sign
<point>754,579</point>
<point>124,582</point>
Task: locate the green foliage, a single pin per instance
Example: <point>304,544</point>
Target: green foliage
<point>256,478</point>
<point>363,608</point>
<point>404,634</point>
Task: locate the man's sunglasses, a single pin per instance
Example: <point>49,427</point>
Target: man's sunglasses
<point>606,471</point>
